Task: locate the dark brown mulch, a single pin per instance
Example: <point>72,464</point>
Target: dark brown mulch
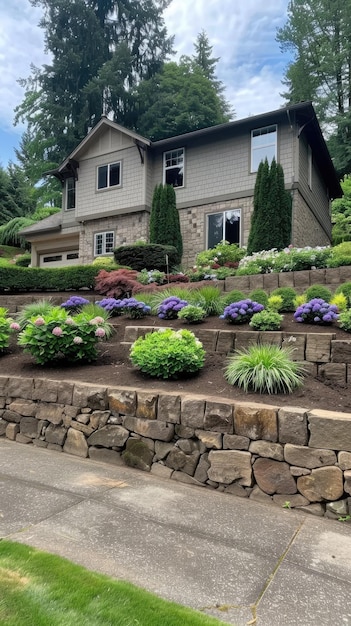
<point>113,368</point>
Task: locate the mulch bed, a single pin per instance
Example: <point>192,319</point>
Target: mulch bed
<point>113,368</point>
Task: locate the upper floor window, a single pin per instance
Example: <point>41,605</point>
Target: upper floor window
<point>263,145</point>
<point>104,243</point>
<point>109,175</point>
<point>173,167</point>
<point>70,193</point>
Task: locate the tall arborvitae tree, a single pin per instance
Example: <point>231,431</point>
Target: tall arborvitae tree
<point>164,218</point>
<point>100,51</point>
<point>271,218</point>
<point>318,33</point>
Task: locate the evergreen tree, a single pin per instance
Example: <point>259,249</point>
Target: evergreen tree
<point>164,218</point>
<point>318,33</point>
<point>155,215</point>
<point>271,217</point>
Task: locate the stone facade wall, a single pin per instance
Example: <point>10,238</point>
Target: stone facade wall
<point>289,456</point>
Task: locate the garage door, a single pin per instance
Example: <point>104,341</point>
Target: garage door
<point>60,259</point>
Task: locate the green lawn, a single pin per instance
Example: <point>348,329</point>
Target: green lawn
<point>39,589</point>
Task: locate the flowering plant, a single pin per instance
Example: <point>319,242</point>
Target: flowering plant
<point>57,334</point>
<point>167,353</point>
<point>74,304</point>
<point>170,307</point>
<point>316,311</point>
<point>6,327</point>
<point>135,309</point>
<point>241,312</point>
<point>111,305</point>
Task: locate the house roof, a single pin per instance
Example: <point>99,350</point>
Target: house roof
<point>48,224</point>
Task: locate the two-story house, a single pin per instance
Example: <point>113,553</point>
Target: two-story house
<point>109,179</point>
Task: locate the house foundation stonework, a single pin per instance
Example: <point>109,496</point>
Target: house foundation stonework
<point>291,457</point>
<point>109,178</point>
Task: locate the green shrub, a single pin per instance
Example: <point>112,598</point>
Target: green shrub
<point>74,277</point>
<point>346,290</point>
<point>266,320</point>
<point>275,303</point>
<point>23,260</point>
<point>232,296</point>
<point>340,300</point>
<point>340,255</point>
<point>57,334</point>
<point>260,296</point>
<point>299,300</point>
<point>208,297</point>
<point>145,277</point>
<point>318,291</point>
<point>264,369</point>
<point>7,326</point>
<point>345,320</point>
<point>288,294</point>
<point>192,314</point>
<point>222,253</point>
<point>168,353</point>
<point>150,257</point>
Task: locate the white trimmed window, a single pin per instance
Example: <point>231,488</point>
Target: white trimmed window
<point>70,193</point>
<point>109,175</point>
<point>173,167</point>
<point>263,145</point>
<point>104,243</point>
<point>223,226</point>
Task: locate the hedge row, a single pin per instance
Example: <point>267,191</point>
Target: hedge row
<point>50,279</point>
<point>147,256</point>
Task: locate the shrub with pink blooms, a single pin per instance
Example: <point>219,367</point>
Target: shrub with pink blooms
<point>6,327</point>
<point>58,334</point>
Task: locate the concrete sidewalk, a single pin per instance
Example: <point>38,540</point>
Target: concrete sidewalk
<point>234,559</point>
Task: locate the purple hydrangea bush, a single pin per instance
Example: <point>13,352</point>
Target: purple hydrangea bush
<point>111,305</point>
<point>134,309</point>
<point>74,304</point>
<point>316,311</point>
<point>170,307</point>
<point>241,312</point>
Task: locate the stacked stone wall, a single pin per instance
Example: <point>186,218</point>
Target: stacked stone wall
<point>289,456</point>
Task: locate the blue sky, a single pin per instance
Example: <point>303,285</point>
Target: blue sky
<point>251,65</point>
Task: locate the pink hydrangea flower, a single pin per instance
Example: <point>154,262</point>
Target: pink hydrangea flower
<point>15,326</point>
<point>78,340</point>
<point>39,321</point>
<point>100,332</point>
<point>69,320</point>
<point>99,320</point>
<point>57,331</point>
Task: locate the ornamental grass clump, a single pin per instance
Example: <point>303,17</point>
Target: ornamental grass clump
<point>57,334</point>
<point>170,307</point>
<point>168,353</point>
<point>241,312</point>
<point>264,369</point>
<point>316,311</point>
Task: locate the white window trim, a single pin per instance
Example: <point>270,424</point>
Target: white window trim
<point>108,165</point>
<point>252,170</point>
<point>223,231</point>
<point>171,167</point>
<point>103,234</point>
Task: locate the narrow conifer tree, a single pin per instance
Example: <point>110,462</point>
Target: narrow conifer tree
<point>164,218</point>
<point>154,215</point>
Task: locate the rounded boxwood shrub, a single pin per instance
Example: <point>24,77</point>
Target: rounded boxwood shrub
<point>192,314</point>
<point>318,291</point>
<point>259,295</point>
<point>168,353</point>
<point>346,290</point>
<point>232,296</point>
<point>288,294</point>
<point>266,320</point>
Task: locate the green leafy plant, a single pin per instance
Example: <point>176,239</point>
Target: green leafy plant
<point>275,303</point>
<point>266,320</point>
<point>232,296</point>
<point>340,301</point>
<point>264,369</point>
<point>145,277</point>
<point>346,290</point>
<point>318,291</point>
<point>288,294</point>
<point>260,296</point>
<point>287,505</point>
<point>345,320</point>
<point>299,300</point>
<point>40,307</point>
<point>57,334</point>
<point>192,314</point>
<point>6,327</point>
<point>222,253</point>
<point>168,353</point>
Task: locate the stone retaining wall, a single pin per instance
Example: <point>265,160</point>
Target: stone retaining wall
<point>321,354</point>
<point>300,281</point>
<point>289,456</point>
